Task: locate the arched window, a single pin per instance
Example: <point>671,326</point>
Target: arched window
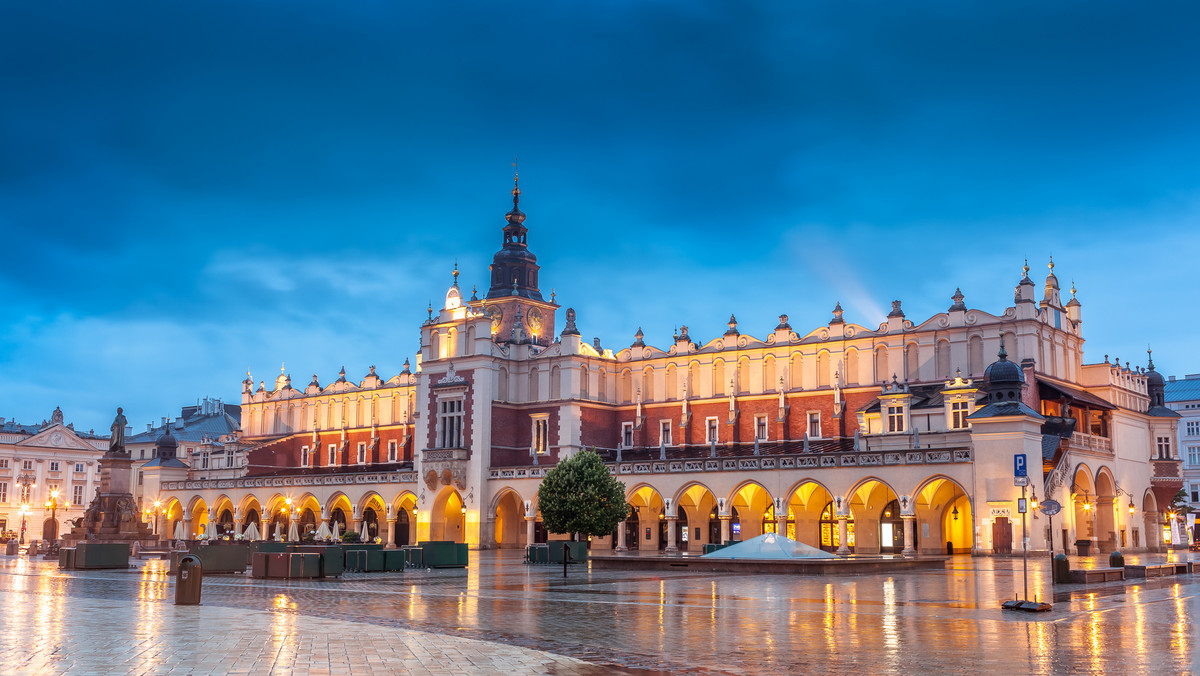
<point>975,355</point>
<point>770,381</point>
<point>742,384</point>
<point>360,410</point>
<point>912,363</point>
<point>451,343</point>
<point>942,358</point>
<point>533,384</point>
<point>602,386</point>
<point>469,347</point>
<point>648,384</point>
<point>718,378</point>
<point>823,377</point>
<point>672,383</point>
<point>555,382</point>
<point>796,372</point>
<point>626,387</point>
<point>583,382</point>
<point>435,345</point>
<point>693,381</point>
<point>851,374</point>
<point>881,364</point>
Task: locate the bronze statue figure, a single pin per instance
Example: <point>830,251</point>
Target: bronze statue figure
<point>116,443</point>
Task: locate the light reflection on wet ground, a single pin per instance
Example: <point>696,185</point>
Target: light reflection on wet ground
<point>920,621</point>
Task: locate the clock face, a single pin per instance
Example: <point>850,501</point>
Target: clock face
<point>497,319</point>
<point>534,321</point>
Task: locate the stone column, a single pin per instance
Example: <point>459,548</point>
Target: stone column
<point>621,538</point>
<point>781,524</point>
<point>530,521</point>
<point>725,519</point>
<point>388,534</point>
<point>187,527</point>
<point>843,547</point>
<point>671,527</point>
<point>266,529</point>
<point>909,522</point>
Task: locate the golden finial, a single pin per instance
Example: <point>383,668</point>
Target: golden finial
<point>1025,269</point>
<point>1051,265</point>
<point>516,180</point>
<point>1072,288</point>
<point>455,272</point>
<point>281,364</point>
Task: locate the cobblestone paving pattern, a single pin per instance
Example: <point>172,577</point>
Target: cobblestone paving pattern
<point>501,616</point>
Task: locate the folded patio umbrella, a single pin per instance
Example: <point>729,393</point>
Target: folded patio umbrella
<point>252,532</point>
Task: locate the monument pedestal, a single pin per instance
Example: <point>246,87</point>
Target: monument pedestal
<point>112,515</point>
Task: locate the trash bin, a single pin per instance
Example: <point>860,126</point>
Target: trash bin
<point>12,548</point>
<point>1061,569</point>
<point>187,581</point>
<point>1116,560</point>
<point>1084,547</point>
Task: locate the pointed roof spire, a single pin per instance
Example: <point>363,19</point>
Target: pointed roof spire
<point>455,273</point>
<point>1025,270</point>
<point>1150,358</point>
<point>1002,354</point>
<point>637,339</point>
<point>732,326</point>
<point>515,217</point>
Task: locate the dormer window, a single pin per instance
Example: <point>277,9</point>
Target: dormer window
<point>959,410</point>
<point>627,435</point>
<point>895,418</point>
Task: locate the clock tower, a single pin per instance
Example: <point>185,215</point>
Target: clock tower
<point>514,301</point>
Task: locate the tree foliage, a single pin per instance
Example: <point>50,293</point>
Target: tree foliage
<point>580,496</point>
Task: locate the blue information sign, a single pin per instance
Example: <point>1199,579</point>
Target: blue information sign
<point>1019,468</point>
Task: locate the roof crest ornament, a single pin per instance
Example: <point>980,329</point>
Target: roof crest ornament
<point>455,273</point>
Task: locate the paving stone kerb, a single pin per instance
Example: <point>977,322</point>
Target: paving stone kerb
<point>501,616</point>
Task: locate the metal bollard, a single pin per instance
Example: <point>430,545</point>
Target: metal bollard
<point>188,580</point>
<point>1116,560</point>
<point>1061,569</point>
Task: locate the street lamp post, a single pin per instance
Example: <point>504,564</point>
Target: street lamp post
<point>52,505</point>
<point>24,513</point>
<point>157,514</point>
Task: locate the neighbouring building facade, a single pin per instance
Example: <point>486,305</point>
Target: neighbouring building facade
<point>1183,397</point>
<point>893,438</point>
<point>38,460</point>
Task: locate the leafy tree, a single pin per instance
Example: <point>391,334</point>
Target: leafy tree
<point>1179,503</point>
<point>579,496</point>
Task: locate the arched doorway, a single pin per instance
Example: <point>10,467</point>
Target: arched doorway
<point>225,522</point>
<point>1106,514</point>
<point>448,517</point>
<point>631,529</point>
<point>509,526</point>
<point>49,530</point>
<point>750,504</point>
<point>831,539</point>
<point>647,507</point>
<point>805,512</point>
<point>943,518</point>
<point>867,505</point>
<point>697,509</point>
<point>400,535</point>
<point>891,530</point>
<point>370,523</point>
<point>338,516</point>
<point>308,522</point>
<point>252,517</point>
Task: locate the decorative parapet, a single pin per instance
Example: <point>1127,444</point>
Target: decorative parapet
<point>287,481</point>
<point>1091,442</point>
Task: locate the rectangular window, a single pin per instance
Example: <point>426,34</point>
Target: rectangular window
<point>710,430</point>
<point>362,452</point>
<point>76,494</point>
<point>332,454</point>
<point>25,493</point>
<point>541,434</point>
<point>55,466</point>
<point>26,464</point>
<point>392,451</point>
<point>450,423</point>
<point>895,416</point>
<point>3,491</point>
<point>627,435</point>
<point>1195,492</point>
<point>204,461</point>
<point>1193,428</point>
<point>3,463</point>
<point>760,427</point>
<point>79,468</point>
<point>958,415</point>
<point>229,460</point>
<point>814,424</point>
<point>1164,447</point>
<point>664,433</point>
<point>304,456</point>
<point>139,478</point>
<point>1194,456</point>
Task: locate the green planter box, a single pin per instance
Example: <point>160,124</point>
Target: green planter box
<point>66,558</point>
<point>222,558</point>
<point>394,560</point>
<point>538,553</point>
<point>579,551</point>
<point>97,555</point>
<point>333,558</point>
<point>444,554</point>
<point>356,560</point>
<point>414,556</point>
<point>304,565</point>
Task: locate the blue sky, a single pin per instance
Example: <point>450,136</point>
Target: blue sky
<point>191,189</point>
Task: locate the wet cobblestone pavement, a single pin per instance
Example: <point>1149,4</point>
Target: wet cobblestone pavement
<point>501,616</point>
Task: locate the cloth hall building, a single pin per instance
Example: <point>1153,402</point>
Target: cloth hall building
<point>896,438</point>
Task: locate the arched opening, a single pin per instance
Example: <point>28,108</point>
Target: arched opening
<point>49,530</point>
<point>400,534</point>
<point>631,526</point>
<point>225,522</point>
<point>867,504</point>
<point>308,522</point>
<point>1083,494</point>
<point>806,522</point>
<point>370,523</point>
<point>1106,516</point>
<point>448,517</point>
<point>338,516</point>
<point>404,531</point>
<point>696,508</point>
<point>647,507</point>
<point>943,518</point>
<point>751,503</point>
<point>510,522</point>
<point>199,521</point>
<point>1150,532</point>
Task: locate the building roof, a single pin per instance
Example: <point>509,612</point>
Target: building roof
<point>1185,389</point>
<point>169,462</point>
<point>194,429</point>
<point>1074,394</point>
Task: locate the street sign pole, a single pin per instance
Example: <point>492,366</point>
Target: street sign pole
<point>1024,546</point>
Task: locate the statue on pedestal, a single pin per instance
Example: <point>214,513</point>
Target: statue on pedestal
<point>116,443</point>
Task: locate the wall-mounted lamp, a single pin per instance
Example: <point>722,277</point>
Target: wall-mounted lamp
<point>463,511</point>
<point>1131,507</point>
